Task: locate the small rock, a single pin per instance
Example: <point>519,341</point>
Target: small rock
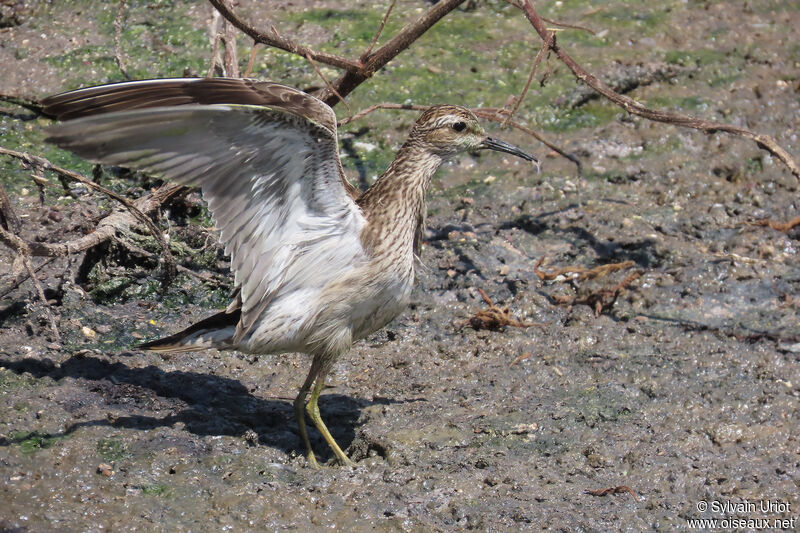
<point>105,469</point>
<point>88,332</point>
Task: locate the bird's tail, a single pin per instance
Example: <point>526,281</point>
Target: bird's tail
<point>214,332</point>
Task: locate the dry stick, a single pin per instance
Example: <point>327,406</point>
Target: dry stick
<point>494,317</point>
<point>521,97</point>
<point>564,24</point>
<point>22,249</point>
<point>372,108</point>
<point>28,103</point>
<point>207,277</point>
<point>779,226</point>
<point>250,61</point>
<point>356,72</point>
<point>118,58</point>
<point>106,229</point>
<point>8,217</point>
<point>230,58</point>
<point>214,29</point>
<point>613,490</point>
<point>277,41</point>
<point>632,106</point>
<point>348,81</point>
<point>23,276</point>
<point>44,164</point>
<point>366,54</point>
<point>328,84</point>
<point>582,273</point>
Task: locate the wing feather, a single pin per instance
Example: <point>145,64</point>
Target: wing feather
<point>270,174</point>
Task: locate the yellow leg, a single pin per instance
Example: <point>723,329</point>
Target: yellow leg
<point>300,414</point>
<point>313,411</point>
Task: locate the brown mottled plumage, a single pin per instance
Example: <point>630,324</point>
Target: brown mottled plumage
<point>316,265</point>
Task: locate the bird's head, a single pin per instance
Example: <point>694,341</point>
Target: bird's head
<point>447,130</point>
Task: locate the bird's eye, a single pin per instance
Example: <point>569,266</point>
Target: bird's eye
<point>459,126</point>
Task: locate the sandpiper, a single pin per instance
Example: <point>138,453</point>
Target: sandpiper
<point>317,264</point>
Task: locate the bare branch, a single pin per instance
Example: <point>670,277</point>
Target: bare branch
<point>22,277</point>
<point>564,24</point>
<point>118,57</point>
<point>44,164</point>
<point>275,40</point>
<point>372,108</point>
<point>8,218</point>
<point>632,106</point>
<point>216,37</point>
<point>28,103</point>
<point>250,61</point>
<point>105,230</point>
<point>328,84</point>
<point>356,71</point>
<point>231,59</point>
<point>20,246</point>
<point>410,33</point>
<point>521,97</point>
<point>366,54</point>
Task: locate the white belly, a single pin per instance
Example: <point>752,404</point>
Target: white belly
<point>360,303</point>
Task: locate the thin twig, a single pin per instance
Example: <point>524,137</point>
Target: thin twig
<point>622,489</point>
<point>356,72</point>
<point>20,246</point>
<point>230,58</point>
<point>521,97</point>
<point>779,226</point>
<point>8,217</point>
<point>118,21</point>
<point>581,273</point>
<point>30,104</point>
<point>44,164</point>
<point>373,108</point>
<point>216,37</point>
<point>40,293</point>
<point>277,41</point>
<point>494,317</point>
<point>328,84</point>
<point>367,52</point>
<point>249,69</point>
<point>495,115</point>
<point>564,24</point>
<point>630,105</point>
<point>21,277</point>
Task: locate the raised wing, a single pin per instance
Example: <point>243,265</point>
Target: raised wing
<point>270,173</point>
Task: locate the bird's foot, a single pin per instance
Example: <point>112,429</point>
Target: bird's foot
<point>345,461</point>
<point>312,460</point>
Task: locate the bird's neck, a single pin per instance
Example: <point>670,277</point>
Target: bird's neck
<point>394,205</point>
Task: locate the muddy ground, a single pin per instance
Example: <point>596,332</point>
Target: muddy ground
<point>684,388</point>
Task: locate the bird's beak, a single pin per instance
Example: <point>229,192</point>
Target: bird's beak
<point>501,146</point>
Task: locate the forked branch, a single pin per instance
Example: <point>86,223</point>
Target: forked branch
<point>356,70</point>
<point>632,106</point>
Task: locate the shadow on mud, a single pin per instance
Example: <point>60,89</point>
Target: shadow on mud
<point>204,404</point>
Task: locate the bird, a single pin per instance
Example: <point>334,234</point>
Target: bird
<point>317,264</point>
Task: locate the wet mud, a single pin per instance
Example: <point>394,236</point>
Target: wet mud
<point>671,387</point>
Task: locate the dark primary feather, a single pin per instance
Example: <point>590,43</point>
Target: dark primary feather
<point>144,94</point>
